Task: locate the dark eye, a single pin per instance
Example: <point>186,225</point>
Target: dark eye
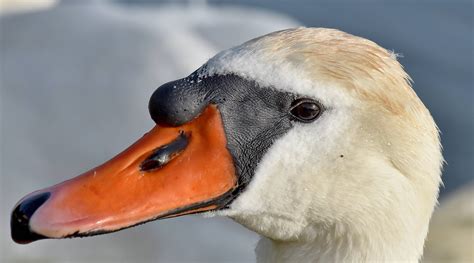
<point>305,110</point>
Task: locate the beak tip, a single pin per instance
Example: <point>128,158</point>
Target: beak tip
<point>21,232</point>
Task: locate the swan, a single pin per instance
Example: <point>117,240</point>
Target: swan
<point>452,226</point>
<point>311,137</point>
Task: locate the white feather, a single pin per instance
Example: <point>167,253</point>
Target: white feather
<point>360,183</point>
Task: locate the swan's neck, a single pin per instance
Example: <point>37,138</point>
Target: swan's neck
<point>342,249</point>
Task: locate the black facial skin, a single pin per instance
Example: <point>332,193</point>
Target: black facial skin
<point>253,117</point>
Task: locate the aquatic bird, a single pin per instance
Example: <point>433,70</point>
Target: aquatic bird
<point>311,137</point>
<point>451,228</point>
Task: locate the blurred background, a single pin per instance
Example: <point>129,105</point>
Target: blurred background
<point>76,75</point>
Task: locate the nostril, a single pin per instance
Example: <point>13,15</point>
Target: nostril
<point>165,153</point>
<point>21,215</point>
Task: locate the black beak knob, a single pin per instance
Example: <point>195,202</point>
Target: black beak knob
<point>178,102</point>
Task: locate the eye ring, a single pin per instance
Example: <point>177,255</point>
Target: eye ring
<point>305,110</point>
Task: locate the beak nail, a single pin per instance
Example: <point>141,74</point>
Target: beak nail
<point>20,219</point>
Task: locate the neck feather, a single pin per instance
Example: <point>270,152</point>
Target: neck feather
<point>329,248</point>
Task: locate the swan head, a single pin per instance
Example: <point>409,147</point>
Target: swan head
<point>299,135</point>
<point>369,165</point>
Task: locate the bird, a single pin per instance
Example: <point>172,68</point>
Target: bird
<point>311,137</point>
<point>451,228</point>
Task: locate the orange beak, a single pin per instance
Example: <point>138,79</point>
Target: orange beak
<point>170,171</point>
